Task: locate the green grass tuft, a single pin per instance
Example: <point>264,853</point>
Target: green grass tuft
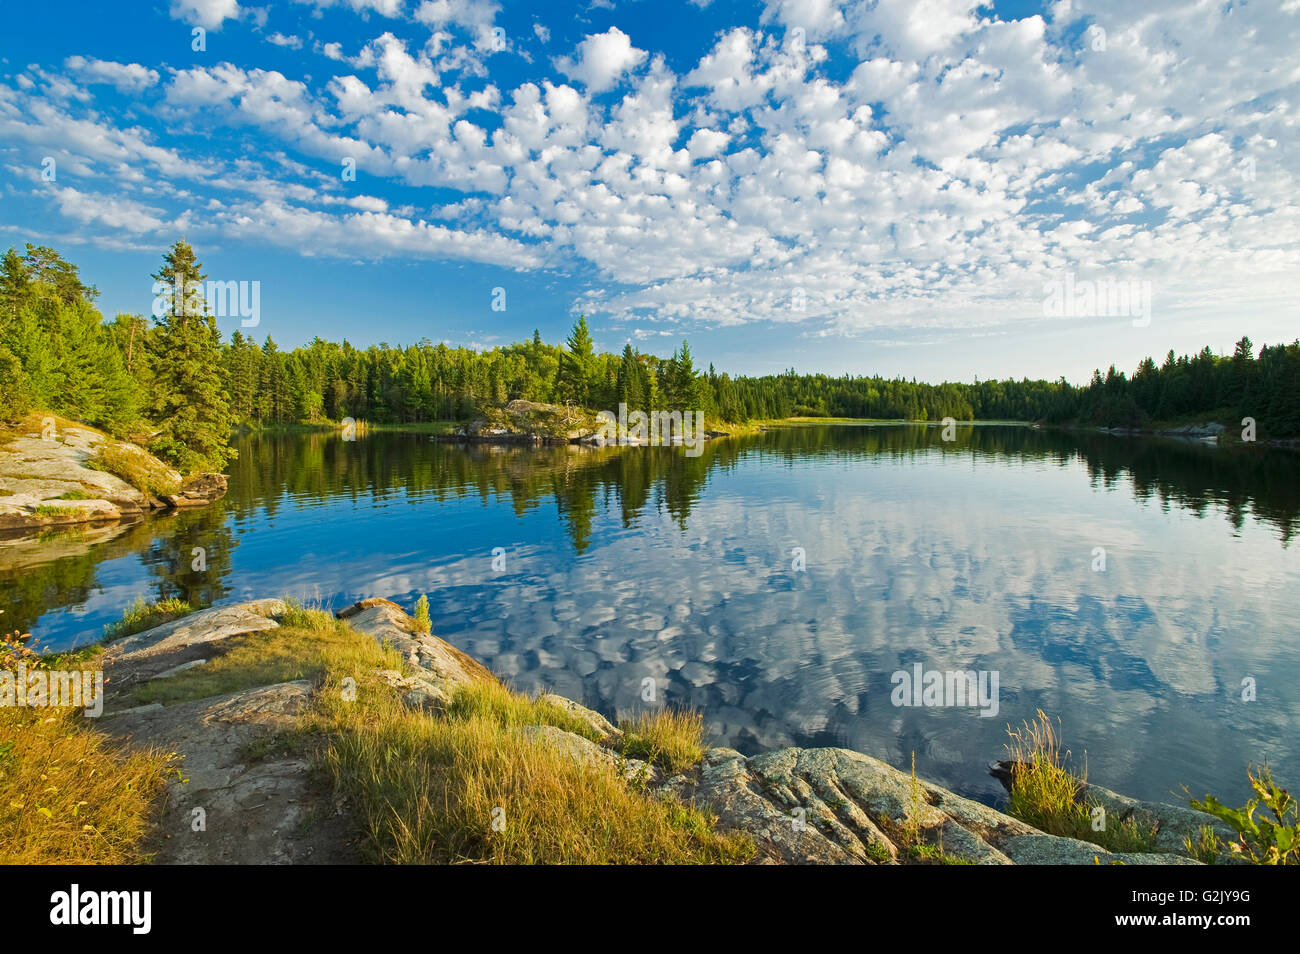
<point>670,738</point>
<point>140,616</point>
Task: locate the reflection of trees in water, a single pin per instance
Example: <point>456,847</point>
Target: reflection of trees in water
<point>1242,481</point>
<point>170,559</point>
<point>58,568</point>
<point>1245,482</point>
<point>580,480</point>
<point>275,471</point>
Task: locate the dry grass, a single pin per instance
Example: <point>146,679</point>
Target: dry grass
<point>69,794</point>
<point>470,789</point>
<point>670,738</point>
<point>472,784</point>
<point>35,421</point>
<point>493,702</point>
<point>1047,795</point>
<point>139,469</point>
<point>308,644</point>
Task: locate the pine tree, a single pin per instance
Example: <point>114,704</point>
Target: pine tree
<point>190,403</point>
<point>631,381</point>
<point>15,285</point>
<point>574,379</point>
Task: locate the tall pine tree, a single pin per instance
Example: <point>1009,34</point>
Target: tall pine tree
<point>190,405</point>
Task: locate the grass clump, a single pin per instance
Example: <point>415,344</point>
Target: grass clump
<point>69,794</point>
<point>45,510</point>
<point>1205,847</point>
<point>670,738</point>
<point>307,645</point>
<point>140,616</point>
<point>145,473</point>
<point>495,703</point>
<point>72,495</point>
<point>466,787</point>
<point>1050,797</point>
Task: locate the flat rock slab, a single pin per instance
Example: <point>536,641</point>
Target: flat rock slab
<point>205,626</point>
<point>147,655</point>
<point>252,811</point>
<point>837,806</point>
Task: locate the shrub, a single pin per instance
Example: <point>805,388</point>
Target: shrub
<point>1264,840</point>
<point>422,615</point>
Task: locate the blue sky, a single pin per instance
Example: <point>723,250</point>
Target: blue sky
<point>874,186</point>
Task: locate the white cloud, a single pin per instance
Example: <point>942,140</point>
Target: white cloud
<point>209,14</point>
<point>127,77</point>
<point>932,178</point>
<point>603,59</point>
<point>279,39</point>
<point>707,142</point>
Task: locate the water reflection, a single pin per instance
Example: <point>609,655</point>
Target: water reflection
<point>630,564</point>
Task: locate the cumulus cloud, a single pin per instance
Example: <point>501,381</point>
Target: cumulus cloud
<point>907,164</point>
<point>127,77</point>
<point>603,59</point>
<point>209,14</point>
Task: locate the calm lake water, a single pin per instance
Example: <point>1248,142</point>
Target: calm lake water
<point>623,565</point>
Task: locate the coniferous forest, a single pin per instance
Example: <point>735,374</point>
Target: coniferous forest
<point>175,380</point>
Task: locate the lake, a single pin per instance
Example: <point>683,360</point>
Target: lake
<point>589,571</point>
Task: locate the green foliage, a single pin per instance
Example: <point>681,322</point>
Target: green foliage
<point>140,616</point>
<point>190,402</point>
<point>576,379</point>
<point>1264,840</point>
<point>422,615</point>
<point>176,377</point>
<point>45,510</point>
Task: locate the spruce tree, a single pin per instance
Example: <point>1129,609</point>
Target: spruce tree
<point>190,404</point>
<point>574,377</point>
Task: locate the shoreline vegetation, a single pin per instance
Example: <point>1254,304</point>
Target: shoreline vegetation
<point>409,751</point>
<point>174,385</point>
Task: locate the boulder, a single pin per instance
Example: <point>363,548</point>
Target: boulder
<point>198,490</point>
<point>439,666</point>
<point>837,806</point>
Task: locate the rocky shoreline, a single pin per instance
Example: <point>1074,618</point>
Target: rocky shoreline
<point>49,478</point>
<point>799,806</point>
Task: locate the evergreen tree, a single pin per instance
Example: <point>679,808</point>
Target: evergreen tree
<point>190,402</point>
<point>574,380</point>
<point>631,385</point>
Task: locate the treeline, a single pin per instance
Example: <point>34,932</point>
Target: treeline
<point>161,382</point>
<point>174,383</point>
